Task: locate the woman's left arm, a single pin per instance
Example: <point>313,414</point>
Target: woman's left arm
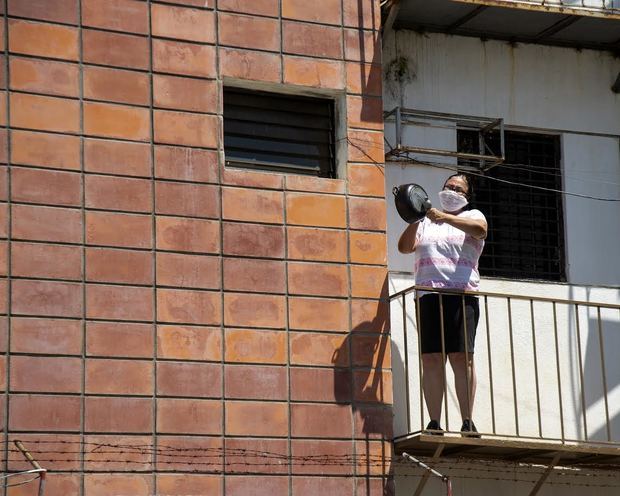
<point>476,228</point>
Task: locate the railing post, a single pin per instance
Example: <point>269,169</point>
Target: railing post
<point>557,364</point>
<point>536,368</point>
<point>420,372</point>
<point>512,363</point>
<point>486,316</point>
<point>581,381</point>
<point>603,372</point>
<point>406,362</point>
<point>443,361</point>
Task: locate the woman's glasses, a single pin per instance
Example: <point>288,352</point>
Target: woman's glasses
<point>456,189</point>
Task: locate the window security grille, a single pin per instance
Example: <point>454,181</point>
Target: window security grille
<point>526,228</point>
<point>278,132</point>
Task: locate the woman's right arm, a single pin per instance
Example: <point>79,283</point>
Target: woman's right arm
<point>406,243</point>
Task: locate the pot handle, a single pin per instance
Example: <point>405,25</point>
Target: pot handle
<point>395,190</point>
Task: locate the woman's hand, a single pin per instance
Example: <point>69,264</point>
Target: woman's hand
<point>436,215</point>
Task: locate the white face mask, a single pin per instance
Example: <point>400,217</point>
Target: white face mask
<point>451,201</point>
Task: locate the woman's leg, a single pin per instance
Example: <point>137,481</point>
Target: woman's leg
<point>465,390</point>
<point>433,383</point>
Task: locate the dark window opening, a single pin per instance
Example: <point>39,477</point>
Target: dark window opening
<point>526,227</point>
<point>278,132</point>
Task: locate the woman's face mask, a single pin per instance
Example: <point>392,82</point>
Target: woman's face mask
<point>451,201</point>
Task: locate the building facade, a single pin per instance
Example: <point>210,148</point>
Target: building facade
<point>176,322</point>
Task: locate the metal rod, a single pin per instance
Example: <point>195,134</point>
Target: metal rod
<point>443,362</point>
<point>406,363</point>
<point>557,364</point>
<point>545,474</point>
<point>536,368</point>
<point>420,372</point>
<point>27,455</point>
<point>427,474</point>
<point>486,316</point>
<point>580,362</point>
<point>34,463</point>
<point>603,371</point>
<point>512,363</point>
<point>399,140</point>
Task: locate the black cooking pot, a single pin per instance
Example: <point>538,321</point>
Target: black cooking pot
<point>411,202</point>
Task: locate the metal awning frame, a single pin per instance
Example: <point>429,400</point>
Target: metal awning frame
<point>483,161</point>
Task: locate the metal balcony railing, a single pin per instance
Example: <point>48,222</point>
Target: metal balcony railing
<point>579,7</point>
<point>547,369</point>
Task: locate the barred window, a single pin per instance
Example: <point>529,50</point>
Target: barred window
<point>279,132</point>
<point>526,225</point>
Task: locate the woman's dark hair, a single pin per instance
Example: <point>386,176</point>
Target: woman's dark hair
<point>470,187</point>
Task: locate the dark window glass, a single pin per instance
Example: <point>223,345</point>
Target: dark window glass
<point>286,133</point>
<point>526,232</point>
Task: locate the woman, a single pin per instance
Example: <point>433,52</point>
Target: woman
<point>448,244</point>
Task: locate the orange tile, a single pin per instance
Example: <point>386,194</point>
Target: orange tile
<point>116,49</point>
<point>255,346</point>
<point>312,72</point>
<point>318,279</point>
<point>328,245</point>
<point>193,235</point>
<point>253,205</point>
<point>368,282</point>
<point>248,64</point>
<point>258,33</point>
<point>116,121</point>
<point>41,112</point>
<point>315,40</point>
<point>311,348</point>
<point>329,13</point>
<point>44,76</point>
<point>318,314</point>
<point>183,58</point>
<point>316,210</point>
<point>253,418</point>
<point>368,248</point>
<point>253,310</point>
<point>187,306</point>
<point>119,302</point>
<point>45,150</point>
<point>189,342</point>
<point>182,128</point>
<point>183,23</point>
<point>45,40</point>
<point>118,15</point>
<point>105,376</point>
<point>116,85</point>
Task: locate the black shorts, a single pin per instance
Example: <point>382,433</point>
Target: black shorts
<point>456,332</point>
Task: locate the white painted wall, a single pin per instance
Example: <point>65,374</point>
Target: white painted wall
<point>541,88</point>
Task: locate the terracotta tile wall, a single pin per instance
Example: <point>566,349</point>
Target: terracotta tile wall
<point>170,326</point>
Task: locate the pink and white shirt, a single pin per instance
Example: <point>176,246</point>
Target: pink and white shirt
<point>446,257</point>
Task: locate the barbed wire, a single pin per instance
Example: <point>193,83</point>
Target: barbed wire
<point>220,460</point>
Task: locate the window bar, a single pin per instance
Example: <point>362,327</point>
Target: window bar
<point>603,373</point>
<point>443,361</point>
<point>468,373</point>
<point>557,366</point>
<point>417,315</point>
<point>486,316</point>
<point>406,362</point>
<point>512,363</point>
<point>583,395</point>
<point>536,368</point>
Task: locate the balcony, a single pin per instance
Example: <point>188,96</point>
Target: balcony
<point>548,382</point>
<point>579,24</point>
